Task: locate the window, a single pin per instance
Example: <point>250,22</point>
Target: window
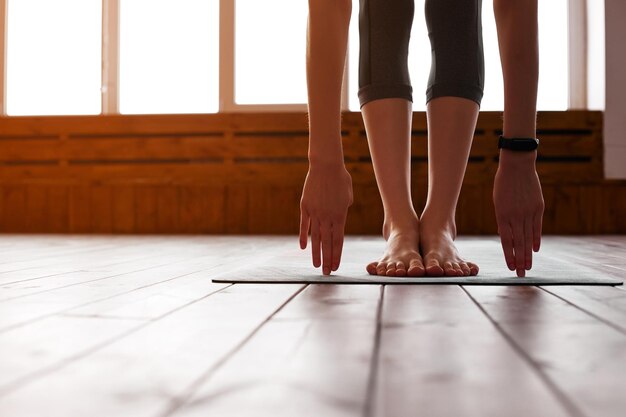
<point>270,58</point>
<point>53,57</point>
<point>169,56</point>
<point>204,56</point>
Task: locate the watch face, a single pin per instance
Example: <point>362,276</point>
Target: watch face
<point>518,144</point>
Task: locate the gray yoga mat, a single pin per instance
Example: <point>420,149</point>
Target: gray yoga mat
<point>274,275</point>
<point>291,265</point>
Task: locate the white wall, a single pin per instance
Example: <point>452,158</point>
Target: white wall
<point>615,111</point>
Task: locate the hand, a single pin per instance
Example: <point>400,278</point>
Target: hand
<point>519,208</point>
<point>326,196</point>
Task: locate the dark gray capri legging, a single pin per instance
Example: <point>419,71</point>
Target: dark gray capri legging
<point>455,32</point>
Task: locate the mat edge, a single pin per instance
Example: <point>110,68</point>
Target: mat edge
<point>227,281</point>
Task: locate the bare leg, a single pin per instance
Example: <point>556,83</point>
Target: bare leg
<point>388,125</point>
<point>451,124</point>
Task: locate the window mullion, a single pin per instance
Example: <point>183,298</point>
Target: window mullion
<point>3,56</point>
<point>110,56</point>
<point>227,56</point>
<point>577,47</point>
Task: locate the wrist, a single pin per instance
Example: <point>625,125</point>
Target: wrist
<point>326,161</point>
<point>521,159</point>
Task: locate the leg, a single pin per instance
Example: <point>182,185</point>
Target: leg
<point>455,89</point>
<point>385,95</point>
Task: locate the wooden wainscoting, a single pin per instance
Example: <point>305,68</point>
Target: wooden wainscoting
<point>243,173</point>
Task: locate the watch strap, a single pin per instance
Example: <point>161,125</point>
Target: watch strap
<point>518,144</point>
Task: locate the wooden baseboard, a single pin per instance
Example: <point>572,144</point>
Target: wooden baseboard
<point>243,173</point>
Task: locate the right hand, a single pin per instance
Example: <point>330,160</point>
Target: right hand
<point>326,196</point>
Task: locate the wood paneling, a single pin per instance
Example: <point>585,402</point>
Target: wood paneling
<point>243,173</point>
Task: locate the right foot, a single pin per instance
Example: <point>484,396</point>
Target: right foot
<point>401,257</point>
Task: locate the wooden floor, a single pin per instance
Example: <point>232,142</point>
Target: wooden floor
<point>132,326</point>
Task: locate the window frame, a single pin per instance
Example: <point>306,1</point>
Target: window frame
<point>3,56</point>
<point>577,52</point>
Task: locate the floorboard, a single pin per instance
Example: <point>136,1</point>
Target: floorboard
<point>454,363</point>
<point>145,372</point>
<point>314,354</point>
<point>582,357</point>
<point>604,303</point>
<point>133,326</point>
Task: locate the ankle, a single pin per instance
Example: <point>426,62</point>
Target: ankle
<point>406,225</point>
<point>442,225</point>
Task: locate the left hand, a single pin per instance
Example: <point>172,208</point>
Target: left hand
<point>519,208</point>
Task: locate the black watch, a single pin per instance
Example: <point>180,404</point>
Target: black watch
<point>518,144</point>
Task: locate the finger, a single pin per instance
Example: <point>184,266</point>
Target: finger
<point>518,247</point>
<point>528,243</point>
<point>315,242</point>
<point>506,239</point>
<point>304,228</point>
<point>338,229</point>
<point>537,220</point>
<point>327,247</point>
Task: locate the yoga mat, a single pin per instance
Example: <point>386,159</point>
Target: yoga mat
<point>274,275</point>
<point>291,265</point>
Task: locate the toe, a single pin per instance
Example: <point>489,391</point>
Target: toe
<point>371,268</point>
<point>391,270</point>
<point>416,268</point>
<point>434,268</point>
<point>457,269</point>
<point>381,268</point>
<point>465,268</point>
<point>400,269</point>
<point>473,268</point>
<point>449,269</point>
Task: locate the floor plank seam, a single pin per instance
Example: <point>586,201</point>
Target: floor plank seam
<point>92,280</point>
<point>42,277</point>
<point>73,252</point>
<point>61,312</point>
<point>61,253</point>
<point>21,382</point>
<point>561,397</point>
<point>177,402</point>
<point>69,272</point>
<point>368,410</point>
<point>589,313</point>
<point>589,262</point>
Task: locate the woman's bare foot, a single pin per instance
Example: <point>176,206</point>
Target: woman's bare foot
<point>441,256</point>
<point>401,257</point>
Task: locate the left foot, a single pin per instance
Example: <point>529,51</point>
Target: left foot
<point>441,257</point>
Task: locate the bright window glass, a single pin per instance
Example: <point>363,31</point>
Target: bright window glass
<point>169,56</point>
<point>553,56</point>
<point>596,57</point>
<point>270,51</point>
<point>54,57</point>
